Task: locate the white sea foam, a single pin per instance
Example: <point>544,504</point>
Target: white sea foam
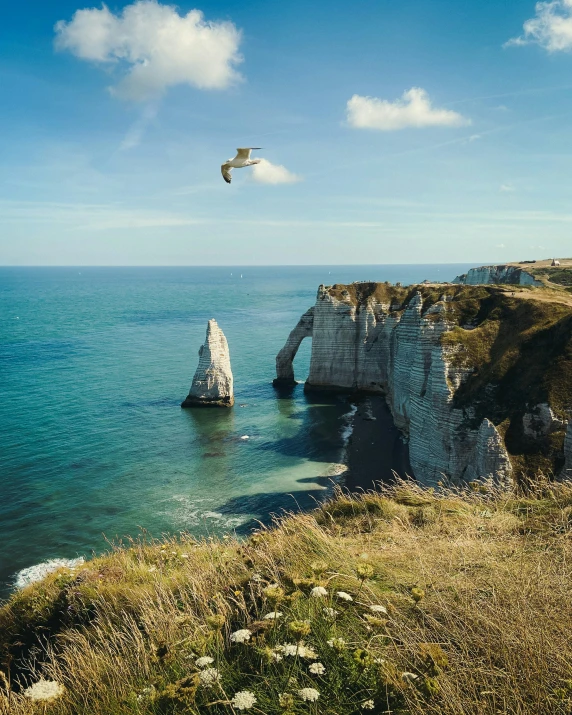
<point>346,432</point>
<point>348,424</point>
<point>187,514</point>
<point>38,571</point>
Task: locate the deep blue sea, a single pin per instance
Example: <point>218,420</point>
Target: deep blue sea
<point>94,363</point>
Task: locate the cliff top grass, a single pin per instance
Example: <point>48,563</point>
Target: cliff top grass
<point>403,600</point>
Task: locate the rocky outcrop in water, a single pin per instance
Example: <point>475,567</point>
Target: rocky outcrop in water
<point>212,384</point>
<point>421,347</point>
<point>497,275</point>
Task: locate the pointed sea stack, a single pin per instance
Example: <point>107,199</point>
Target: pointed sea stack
<point>212,384</point>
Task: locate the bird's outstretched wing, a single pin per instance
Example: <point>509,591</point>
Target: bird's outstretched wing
<point>244,153</point>
<point>225,171</point>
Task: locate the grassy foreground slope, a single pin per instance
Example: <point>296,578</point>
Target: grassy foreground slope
<point>450,603</point>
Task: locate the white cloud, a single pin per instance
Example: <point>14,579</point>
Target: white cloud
<point>500,245</point>
<point>268,173</point>
<point>550,28</point>
<point>507,188</point>
<point>474,137</point>
<point>158,47</point>
<point>413,109</point>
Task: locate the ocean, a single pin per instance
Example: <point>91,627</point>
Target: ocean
<point>94,363</point>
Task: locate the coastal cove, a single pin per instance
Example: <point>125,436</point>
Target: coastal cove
<point>94,365</point>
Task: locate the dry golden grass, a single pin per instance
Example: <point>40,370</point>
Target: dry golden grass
<point>477,586</point>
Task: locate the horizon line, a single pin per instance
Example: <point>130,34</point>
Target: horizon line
<point>264,265</point>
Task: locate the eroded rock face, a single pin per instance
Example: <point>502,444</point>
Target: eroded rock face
<point>454,363</point>
<point>489,458</point>
<point>497,274</point>
<point>212,384</point>
<point>396,350</point>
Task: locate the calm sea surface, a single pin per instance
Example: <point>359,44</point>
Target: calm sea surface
<point>94,363</point>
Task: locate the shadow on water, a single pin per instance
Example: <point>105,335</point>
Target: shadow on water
<point>319,435</point>
<point>265,506</point>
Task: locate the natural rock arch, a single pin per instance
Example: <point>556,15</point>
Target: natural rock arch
<point>285,358</point>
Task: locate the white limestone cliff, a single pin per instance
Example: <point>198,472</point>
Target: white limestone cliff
<point>213,383</point>
<point>489,458</point>
<point>396,350</point>
<point>497,274</point>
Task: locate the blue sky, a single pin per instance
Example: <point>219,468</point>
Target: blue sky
<point>112,136</point>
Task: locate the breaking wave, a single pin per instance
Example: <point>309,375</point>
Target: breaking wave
<point>38,571</point>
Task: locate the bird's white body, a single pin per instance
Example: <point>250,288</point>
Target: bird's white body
<point>241,160</point>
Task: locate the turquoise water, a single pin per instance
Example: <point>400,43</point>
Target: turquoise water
<point>94,363</point>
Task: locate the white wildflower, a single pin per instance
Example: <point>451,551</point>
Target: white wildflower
<point>309,694</point>
<point>244,700</point>
<point>344,596</point>
<point>317,669</point>
<point>273,615</point>
<point>241,636</point>
<point>318,592</point>
<point>152,569</point>
<point>368,705</point>
<point>277,656</point>
<point>292,649</point>
<point>409,677</point>
<point>204,661</point>
<point>256,577</point>
<point>209,676</point>
<point>378,609</point>
<point>44,690</point>
<point>331,612</point>
<point>287,649</point>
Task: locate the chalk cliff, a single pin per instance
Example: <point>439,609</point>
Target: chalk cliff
<point>438,355</point>
<point>497,274</point>
<point>212,384</point>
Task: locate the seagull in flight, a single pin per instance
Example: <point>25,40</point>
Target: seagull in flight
<point>241,159</point>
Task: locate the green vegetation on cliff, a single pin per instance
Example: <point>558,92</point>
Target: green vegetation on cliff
<point>400,601</point>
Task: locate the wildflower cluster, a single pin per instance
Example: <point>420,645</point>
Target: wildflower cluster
<point>302,652</point>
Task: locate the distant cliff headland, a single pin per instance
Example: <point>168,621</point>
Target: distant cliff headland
<point>478,377</point>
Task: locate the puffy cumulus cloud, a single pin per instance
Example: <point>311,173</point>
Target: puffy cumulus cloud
<point>268,173</point>
<point>157,47</point>
<point>413,109</point>
<point>550,28</point>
